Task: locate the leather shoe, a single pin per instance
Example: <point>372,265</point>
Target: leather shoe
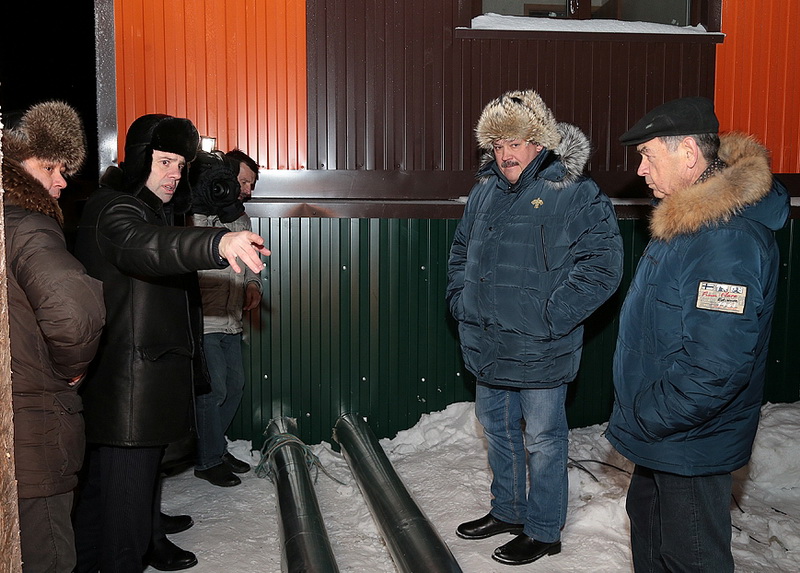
<point>166,556</point>
<point>523,549</point>
<point>485,527</point>
<point>236,465</point>
<point>220,475</point>
<point>175,523</point>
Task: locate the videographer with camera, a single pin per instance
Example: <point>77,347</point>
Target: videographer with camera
<point>226,295</point>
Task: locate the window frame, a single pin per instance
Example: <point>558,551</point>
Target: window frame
<point>705,12</point>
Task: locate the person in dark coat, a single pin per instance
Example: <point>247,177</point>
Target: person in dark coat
<point>56,316</point>
<point>537,251</point>
<point>693,334</point>
<point>138,393</point>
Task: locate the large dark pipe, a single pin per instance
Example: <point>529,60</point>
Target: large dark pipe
<point>304,540</point>
<point>413,542</point>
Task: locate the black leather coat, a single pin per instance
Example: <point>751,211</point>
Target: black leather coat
<point>139,389</point>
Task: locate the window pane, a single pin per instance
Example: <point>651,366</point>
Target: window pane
<point>674,12</point>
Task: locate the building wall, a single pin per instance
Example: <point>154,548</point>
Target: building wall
<point>235,68</point>
<point>354,319</point>
<point>757,79</point>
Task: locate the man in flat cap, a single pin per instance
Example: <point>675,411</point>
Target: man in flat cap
<point>55,316</point>
<point>693,332</point>
<point>537,251</point>
<point>138,394</point>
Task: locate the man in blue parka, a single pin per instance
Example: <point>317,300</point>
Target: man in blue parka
<point>536,252</point>
<point>694,329</point>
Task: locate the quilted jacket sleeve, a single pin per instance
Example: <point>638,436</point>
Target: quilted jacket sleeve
<point>68,304</point>
<point>596,250</point>
<point>457,264</point>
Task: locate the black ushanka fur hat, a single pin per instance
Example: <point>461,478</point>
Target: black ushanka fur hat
<point>164,133</point>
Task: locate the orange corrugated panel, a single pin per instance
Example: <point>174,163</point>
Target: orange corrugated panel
<point>236,68</point>
<point>756,83</point>
<point>791,148</point>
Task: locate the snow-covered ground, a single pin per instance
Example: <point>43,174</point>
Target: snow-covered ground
<point>442,461</point>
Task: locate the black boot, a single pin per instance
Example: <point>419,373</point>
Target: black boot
<point>175,523</point>
<point>237,466</point>
<point>220,475</point>
<point>486,526</point>
<point>523,549</point>
<point>164,555</point>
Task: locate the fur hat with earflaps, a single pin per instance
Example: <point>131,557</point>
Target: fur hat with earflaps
<point>517,115</point>
<point>51,131</point>
<point>164,133</point>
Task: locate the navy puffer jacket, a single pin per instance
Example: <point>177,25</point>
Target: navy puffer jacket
<point>529,263</point>
<point>691,354</point>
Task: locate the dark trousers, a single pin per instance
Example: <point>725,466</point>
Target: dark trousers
<point>114,516</point>
<point>680,524</point>
<point>46,539</point>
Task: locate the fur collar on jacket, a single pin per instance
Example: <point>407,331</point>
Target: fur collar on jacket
<point>573,152</point>
<point>24,190</point>
<point>745,181</point>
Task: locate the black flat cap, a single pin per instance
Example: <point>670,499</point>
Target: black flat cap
<point>684,116</point>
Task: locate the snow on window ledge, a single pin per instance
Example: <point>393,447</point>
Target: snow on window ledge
<point>492,21</point>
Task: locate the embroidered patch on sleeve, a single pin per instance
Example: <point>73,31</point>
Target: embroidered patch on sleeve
<point>721,297</point>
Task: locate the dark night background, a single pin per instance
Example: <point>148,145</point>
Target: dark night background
<point>47,52</point>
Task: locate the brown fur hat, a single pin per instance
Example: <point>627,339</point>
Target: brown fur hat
<point>51,131</point>
<point>517,115</point>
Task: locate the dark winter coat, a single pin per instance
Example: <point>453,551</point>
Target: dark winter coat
<point>56,316</point>
<point>689,374</point>
<point>139,389</point>
<point>529,263</point>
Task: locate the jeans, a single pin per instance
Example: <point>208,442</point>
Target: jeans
<point>517,422</point>
<point>680,524</point>
<point>215,410</point>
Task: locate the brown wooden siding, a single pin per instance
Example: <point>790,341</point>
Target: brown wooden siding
<point>383,85</point>
<point>398,86</point>
<point>601,82</point>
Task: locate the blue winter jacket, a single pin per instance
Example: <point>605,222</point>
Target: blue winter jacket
<point>529,263</point>
<point>692,347</point>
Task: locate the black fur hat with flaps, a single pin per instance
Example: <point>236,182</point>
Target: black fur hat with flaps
<point>164,133</point>
<point>215,186</point>
<point>51,131</point>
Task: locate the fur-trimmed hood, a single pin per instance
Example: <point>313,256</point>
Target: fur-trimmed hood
<point>572,154</point>
<point>24,190</point>
<point>739,189</point>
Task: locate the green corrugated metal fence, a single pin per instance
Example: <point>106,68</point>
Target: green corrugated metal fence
<point>353,319</point>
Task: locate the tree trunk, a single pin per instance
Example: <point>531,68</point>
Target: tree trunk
<point>10,556</point>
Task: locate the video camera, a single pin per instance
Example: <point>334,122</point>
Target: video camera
<point>215,186</point>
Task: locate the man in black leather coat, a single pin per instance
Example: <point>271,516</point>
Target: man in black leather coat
<point>138,393</point>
